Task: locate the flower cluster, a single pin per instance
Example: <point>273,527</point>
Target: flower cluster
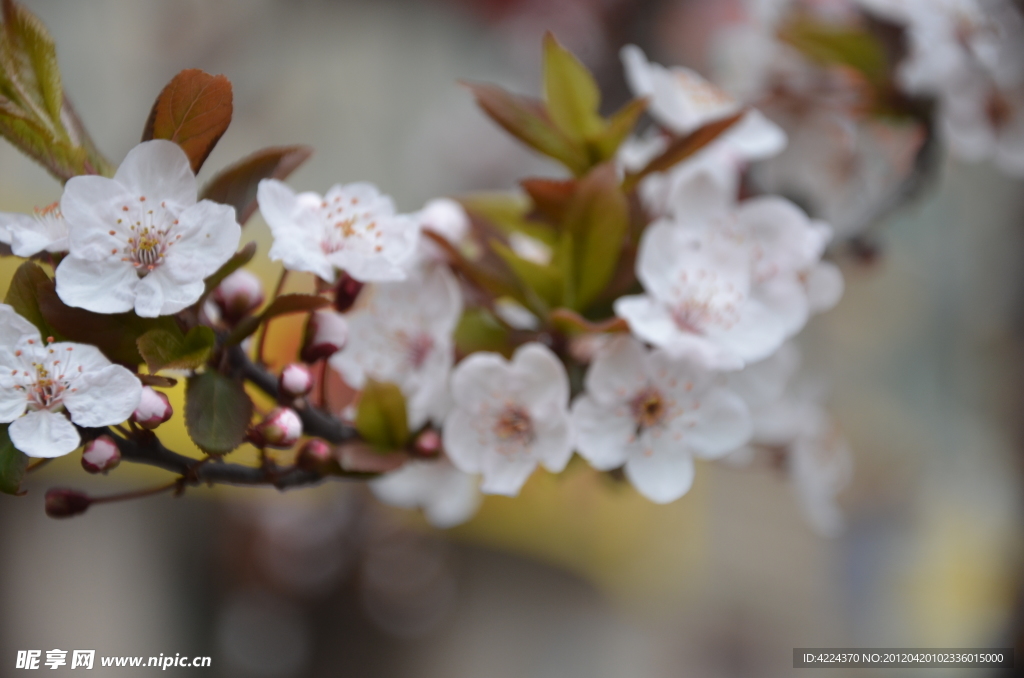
<point>636,311</point>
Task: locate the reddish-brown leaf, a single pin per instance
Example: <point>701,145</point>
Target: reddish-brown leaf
<point>236,184</point>
<point>193,110</point>
<point>550,196</point>
<point>684,147</point>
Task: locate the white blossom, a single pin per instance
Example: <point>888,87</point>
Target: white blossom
<point>653,414</point>
<point>447,496</point>
<point>725,283</point>
<point>42,383</point>
<point>401,332</point>
<point>45,230</point>
<point>352,227</point>
<point>682,102</point>
<point>789,416</point>
<point>140,240</point>
<point>508,417</point>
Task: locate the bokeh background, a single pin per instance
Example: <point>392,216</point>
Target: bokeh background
<point>579,576</point>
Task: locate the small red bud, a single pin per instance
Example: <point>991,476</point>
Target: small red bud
<point>154,409</point>
<point>326,334</point>
<point>313,455</point>
<point>346,292</point>
<point>280,429</point>
<point>428,443</point>
<point>100,455</point>
<point>238,295</point>
<point>296,380</point>
<point>64,503</point>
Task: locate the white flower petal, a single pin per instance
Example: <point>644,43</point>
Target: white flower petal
<point>478,379</point>
<point>462,441</point>
<point>619,370</point>
<point>541,375</point>
<point>602,433</point>
<point>721,425</point>
<point>662,478</point>
<point>44,434</point>
<point>14,329</point>
<point>824,283</point>
<point>553,444</point>
<point>97,286</point>
<point>209,236</point>
<point>505,475</point>
<point>158,294</point>
<point>158,169</point>
<point>104,397</point>
<point>92,207</point>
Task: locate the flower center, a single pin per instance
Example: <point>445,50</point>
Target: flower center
<point>49,214</point>
<point>648,408</point>
<point>149,235</point>
<point>48,378</point>
<point>704,302</point>
<point>418,348</point>
<point>345,220</point>
<point>514,424</point>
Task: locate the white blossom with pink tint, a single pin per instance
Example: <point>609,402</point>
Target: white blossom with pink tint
<point>682,101</point>
<point>508,417</point>
<point>238,295</point>
<point>726,284</point>
<point>352,227</point>
<point>45,230</point>
<point>447,496</point>
<point>140,240</point>
<point>652,414</point>
<point>282,428</point>
<point>44,383</point>
<point>402,333</point>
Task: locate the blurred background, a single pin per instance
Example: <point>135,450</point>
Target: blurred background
<point>579,576</point>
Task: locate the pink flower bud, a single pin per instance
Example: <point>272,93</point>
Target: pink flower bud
<point>154,409</point>
<point>346,292</point>
<point>64,503</point>
<point>428,443</point>
<point>313,455</point>
<point>238,295</point>
<point>326,334</point>
<point>296,380</point>
<point>281,429</point>
<point>100,455</point>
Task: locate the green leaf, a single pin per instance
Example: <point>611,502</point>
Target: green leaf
<point>381,418</point>
<point>479,331</point>
<point>570,92</point>
<point>193,110</point>
<point>570,322</point>
<point>607,142</point>
<point>283,305</point>
<point>508,212</point>
<point>12,464</point>
<point>599,219</point>
<point>237,261</point>
<point>526,119</point>
<point>538,280</point>
<point>170,349</point>
<point>22,295</point>
<point>565,261</point>
<point>217,412</point>
<point>831,44</point>
<point>35,115</point>
<point>29,51</point>
<point>236,184</point>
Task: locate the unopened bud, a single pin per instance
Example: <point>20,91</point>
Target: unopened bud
<point>296,380</point>
<point>100,455</point>
<point>428,443</point>
<point>238,295</point>
<point>64,503</point>
<point>154,409</point>
<point>281,429</point>
<point>346,292</point>
<point>326,334</point>
<point>313,455</point>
